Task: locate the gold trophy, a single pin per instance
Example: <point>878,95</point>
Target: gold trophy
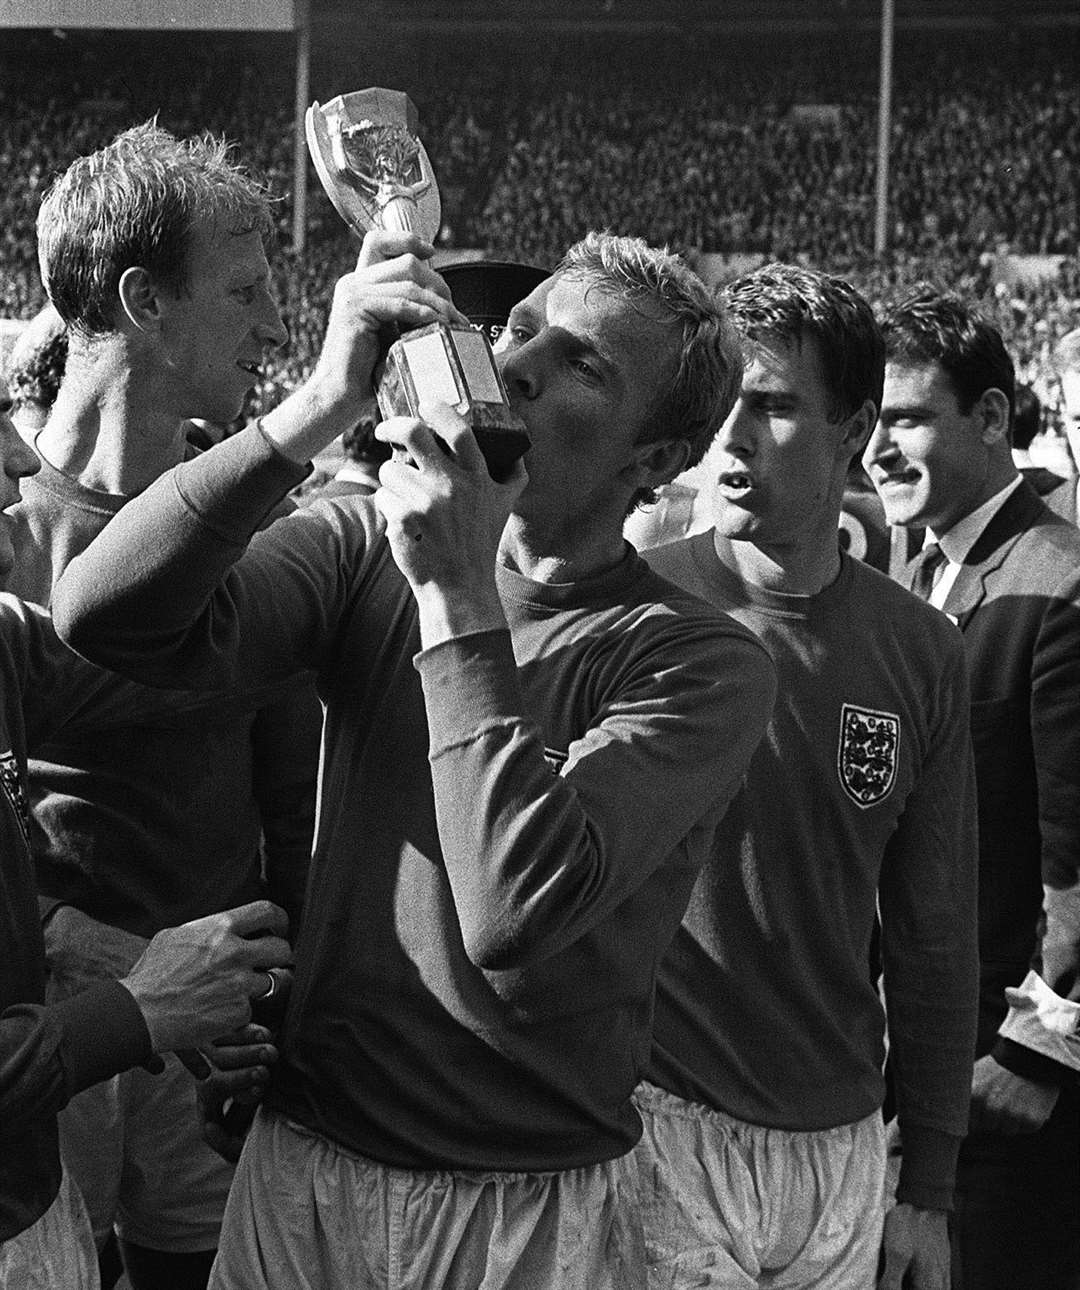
<point>375,171</point>
<point>372,163</point>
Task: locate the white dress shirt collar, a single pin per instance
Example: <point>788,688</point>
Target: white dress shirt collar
<point>963,535</point>
<point>957,543</point>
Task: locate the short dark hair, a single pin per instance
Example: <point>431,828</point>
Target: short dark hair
<point>931,326</point>
<point>708,373</point>
<point>789,303</point>
<point>136,202</point>
<point>37,361</point>
<point>359,443</point>
<point>1027,417</point>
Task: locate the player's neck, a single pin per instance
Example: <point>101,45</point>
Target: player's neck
<point>548,555</point>
<point>797,569</point>
<point>106,432</point>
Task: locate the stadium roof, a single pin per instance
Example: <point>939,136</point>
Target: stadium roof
<point>152,15</point>
<point>748,15</point>
<point>463,15</point>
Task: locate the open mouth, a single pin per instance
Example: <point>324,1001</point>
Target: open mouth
<point>253,369</point>
<point>735,481</point>
<point>898,478</point>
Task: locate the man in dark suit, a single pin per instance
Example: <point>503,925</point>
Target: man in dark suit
<point>1007,570</point>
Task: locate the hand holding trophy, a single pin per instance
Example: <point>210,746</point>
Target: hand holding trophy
<point>377,174</point>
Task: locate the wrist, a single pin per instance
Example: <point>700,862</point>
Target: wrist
<point>104,1032</point>
<point>446,615</point>
<point>154,1029</point>
<point>1032,1065</point>
<point>932,1212</point>
<point>313,416</point>
<point>48,908</point>
<point>927,1167</point>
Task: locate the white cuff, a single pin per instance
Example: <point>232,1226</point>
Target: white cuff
<point>1043,1021</point>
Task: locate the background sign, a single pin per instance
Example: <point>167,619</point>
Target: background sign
<point>192,15</point>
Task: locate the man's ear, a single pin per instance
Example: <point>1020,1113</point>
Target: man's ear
<point>659,462</point>
<point>139,299</point>
<point>857,431</point>
<point>993,412</point>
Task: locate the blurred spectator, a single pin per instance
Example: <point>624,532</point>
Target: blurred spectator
<point>1027,425</point>
<point>1066,360</point>
<point>359,473</point>
<point>203,434</point>
<point>35,369</point>
<point>863,531</point>
<point>677,513</point>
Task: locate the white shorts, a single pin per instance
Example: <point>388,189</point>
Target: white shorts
<point>135,1148</point>
<point>734,1205</point>
<point>305,1214</point>
<point>55,1253</point>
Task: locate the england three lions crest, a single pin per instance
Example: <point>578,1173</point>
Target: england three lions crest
<point>867,757</point>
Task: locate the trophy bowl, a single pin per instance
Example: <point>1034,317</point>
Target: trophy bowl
<point>377,174</point>
<point>372,163</point>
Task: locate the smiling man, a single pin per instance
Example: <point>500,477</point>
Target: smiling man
<point>763,1155</point>
<point>529,740</point>
<point>162,809</point>
<point>1007,571</point>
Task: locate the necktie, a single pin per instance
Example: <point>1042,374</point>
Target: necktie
<point>929,563</point>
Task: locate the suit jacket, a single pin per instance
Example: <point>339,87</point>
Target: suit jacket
<point>1016,600</point>
<point>1046,484</point>
<point>1062,499</point>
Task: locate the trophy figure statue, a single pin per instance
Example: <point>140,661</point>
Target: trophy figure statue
<point>375,171</point>
<point>372,164</point>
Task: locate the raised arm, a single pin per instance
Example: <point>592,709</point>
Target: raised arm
<point>538,856</point>
<point>144,598</point>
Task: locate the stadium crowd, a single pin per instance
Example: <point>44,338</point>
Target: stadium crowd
<point>531,151</point>
<point>407,880</point>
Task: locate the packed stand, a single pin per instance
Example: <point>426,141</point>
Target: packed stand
<point>531,153</point>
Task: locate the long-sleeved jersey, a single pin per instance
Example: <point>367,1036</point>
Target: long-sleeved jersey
<point>171,806</point>
<point>509,823</point>
<point>861,793</point>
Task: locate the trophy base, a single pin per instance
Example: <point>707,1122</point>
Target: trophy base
<point>501,446</point>
<point>454,366</point>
